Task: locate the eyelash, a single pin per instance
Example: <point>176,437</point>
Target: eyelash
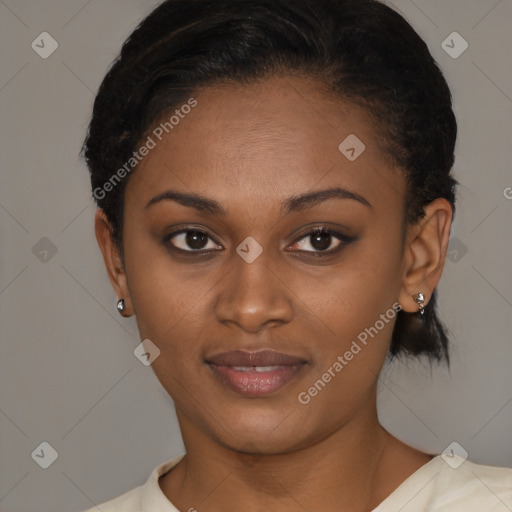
<point>344,241</point>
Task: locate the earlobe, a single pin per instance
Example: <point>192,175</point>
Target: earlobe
<point>425,254</point>
<point>113,262</point>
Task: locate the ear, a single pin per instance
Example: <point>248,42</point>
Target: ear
<point>425,253</point>
<point>112,259</point>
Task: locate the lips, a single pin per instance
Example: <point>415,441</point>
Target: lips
<point>261,358</point>
<point>255,374</point>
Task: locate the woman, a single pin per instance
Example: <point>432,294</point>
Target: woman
<point>275,204</point>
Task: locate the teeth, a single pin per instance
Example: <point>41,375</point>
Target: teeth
<point>255,368</point>
<point>266,368</point>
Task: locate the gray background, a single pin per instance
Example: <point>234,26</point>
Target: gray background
<point>68,375</point>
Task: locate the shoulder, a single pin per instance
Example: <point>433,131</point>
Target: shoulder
<point>461,483</point>
<point>145,497</point>
<point>452,484</point>
<point>127,502</point>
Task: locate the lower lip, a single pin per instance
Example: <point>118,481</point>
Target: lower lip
<point>255,384</point>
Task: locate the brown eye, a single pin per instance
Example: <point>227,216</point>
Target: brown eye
<point>190,240</point>
<point>322,240</point>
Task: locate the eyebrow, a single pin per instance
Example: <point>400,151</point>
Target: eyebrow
<point>292,204</point>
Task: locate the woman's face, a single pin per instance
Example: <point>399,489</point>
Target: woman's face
<point>267,282</point>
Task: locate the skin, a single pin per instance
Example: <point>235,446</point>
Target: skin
<point>250,148</point>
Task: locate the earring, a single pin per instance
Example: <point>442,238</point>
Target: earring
<point>420,300</point>
<point>121,306</point>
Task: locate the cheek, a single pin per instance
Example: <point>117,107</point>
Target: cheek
<point>362,287</point>
<point>358,304</point>
<point>350,355</point>
<point>168,302</point>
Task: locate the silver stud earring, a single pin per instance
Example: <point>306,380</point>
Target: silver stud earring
<point>420,300</point>
<point>121,306</point>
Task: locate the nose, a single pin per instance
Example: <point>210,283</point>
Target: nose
<point>254,296</point>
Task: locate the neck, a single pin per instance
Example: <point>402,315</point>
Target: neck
<point>344,471</point>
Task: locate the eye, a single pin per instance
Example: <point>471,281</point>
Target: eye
<point>190,240</point>
<point>321,241</point>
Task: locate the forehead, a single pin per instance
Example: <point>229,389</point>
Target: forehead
<point>269,140</point>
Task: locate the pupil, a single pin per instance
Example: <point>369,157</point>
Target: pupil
<point>195,240</point>
<point>317,240</point>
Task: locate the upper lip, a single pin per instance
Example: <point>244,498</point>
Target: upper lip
<point>260,358</point>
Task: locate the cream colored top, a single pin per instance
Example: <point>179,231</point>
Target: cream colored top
<point>435,487</point>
